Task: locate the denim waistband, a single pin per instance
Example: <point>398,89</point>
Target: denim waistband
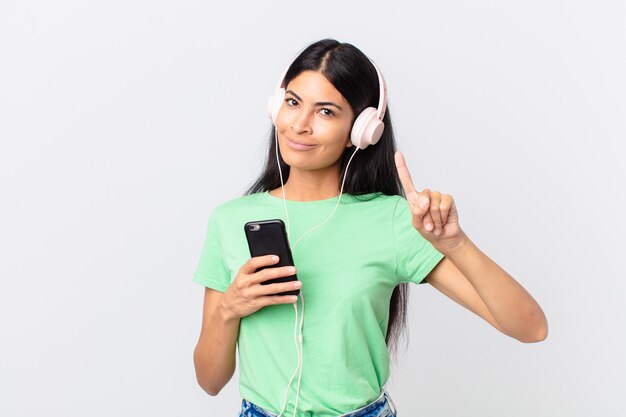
<point>373,409</point>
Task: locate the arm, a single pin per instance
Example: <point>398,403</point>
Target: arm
<point>472,279</point>
<point>467,275</point>
<point>214,355</point>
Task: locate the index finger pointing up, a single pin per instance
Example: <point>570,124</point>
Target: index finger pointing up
<point>405,178</point>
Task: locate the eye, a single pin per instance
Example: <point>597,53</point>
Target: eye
<point>329,111</point>
<point>291,102</point>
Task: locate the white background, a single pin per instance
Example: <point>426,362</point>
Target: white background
<point>123,123</point>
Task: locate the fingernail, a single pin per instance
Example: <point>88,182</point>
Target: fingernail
<point>437,232</point>
<point>423,202</point>
<point>274,258</point>
<point>297,284</point>
<point>429,226</point>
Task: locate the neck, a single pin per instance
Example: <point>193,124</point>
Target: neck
<point>310,185</point>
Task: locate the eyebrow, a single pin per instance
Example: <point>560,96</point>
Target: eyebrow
<point>319,103</point>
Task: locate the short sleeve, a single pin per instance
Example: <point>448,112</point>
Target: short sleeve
<point>211,271</point>
<point>415,256</point>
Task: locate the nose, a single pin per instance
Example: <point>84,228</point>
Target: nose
<point>301,121</point>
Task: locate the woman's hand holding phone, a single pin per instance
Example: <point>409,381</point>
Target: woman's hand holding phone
<point>246,294</point>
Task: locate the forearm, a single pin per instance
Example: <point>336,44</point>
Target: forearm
<point>214,356</point>
<point>512,306</point>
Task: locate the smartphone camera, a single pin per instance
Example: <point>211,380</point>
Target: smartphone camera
<point>254,227</point>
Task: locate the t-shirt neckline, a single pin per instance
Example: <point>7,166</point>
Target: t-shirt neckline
<point>332,200</point>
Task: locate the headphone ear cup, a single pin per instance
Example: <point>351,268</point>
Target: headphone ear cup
<point>367,129</point>
<point>274,104</point>
<point>270,106</point>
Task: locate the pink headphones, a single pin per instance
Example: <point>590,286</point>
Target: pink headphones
<point>368,126</point>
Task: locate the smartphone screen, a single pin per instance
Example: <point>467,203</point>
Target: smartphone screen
<point>268,237</point>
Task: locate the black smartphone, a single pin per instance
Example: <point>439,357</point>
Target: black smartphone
<point>268,237</point>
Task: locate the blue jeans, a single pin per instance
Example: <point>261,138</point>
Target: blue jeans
<point>381,407</point>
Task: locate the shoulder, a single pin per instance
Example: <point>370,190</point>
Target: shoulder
<point>240,201</point>
<point>237,205</point>
<point>377,198</point>
<point>378,207</point>
<point>386,204</point>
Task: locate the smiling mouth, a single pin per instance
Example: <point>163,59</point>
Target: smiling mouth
<point>299,143</point>
<point>298,146</point>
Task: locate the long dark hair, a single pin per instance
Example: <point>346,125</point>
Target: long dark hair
<point>372,169</point>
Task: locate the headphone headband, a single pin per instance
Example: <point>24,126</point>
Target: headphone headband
<point>382,99</point>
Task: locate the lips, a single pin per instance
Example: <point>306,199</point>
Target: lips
<point>298,145</point>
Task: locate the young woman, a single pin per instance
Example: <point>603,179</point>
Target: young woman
<point>334,177</point>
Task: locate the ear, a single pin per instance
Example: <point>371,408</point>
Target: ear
<point>349,143</point>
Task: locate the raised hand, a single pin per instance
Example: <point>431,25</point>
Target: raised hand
<point>434,214</point>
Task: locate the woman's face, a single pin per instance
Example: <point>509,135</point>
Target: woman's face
<point>313,123</point>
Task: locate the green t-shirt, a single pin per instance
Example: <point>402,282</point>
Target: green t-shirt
<point>348,267</point>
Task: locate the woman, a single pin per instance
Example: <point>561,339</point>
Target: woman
<point>338,183</point>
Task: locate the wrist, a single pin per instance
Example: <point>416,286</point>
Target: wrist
<point>225,314</point>
<point>459,247</point>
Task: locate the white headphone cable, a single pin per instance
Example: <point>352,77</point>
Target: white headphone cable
<point>336,205</point>
<point>295,326</point>
<point>296,338</point>
<point>284,198</point>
